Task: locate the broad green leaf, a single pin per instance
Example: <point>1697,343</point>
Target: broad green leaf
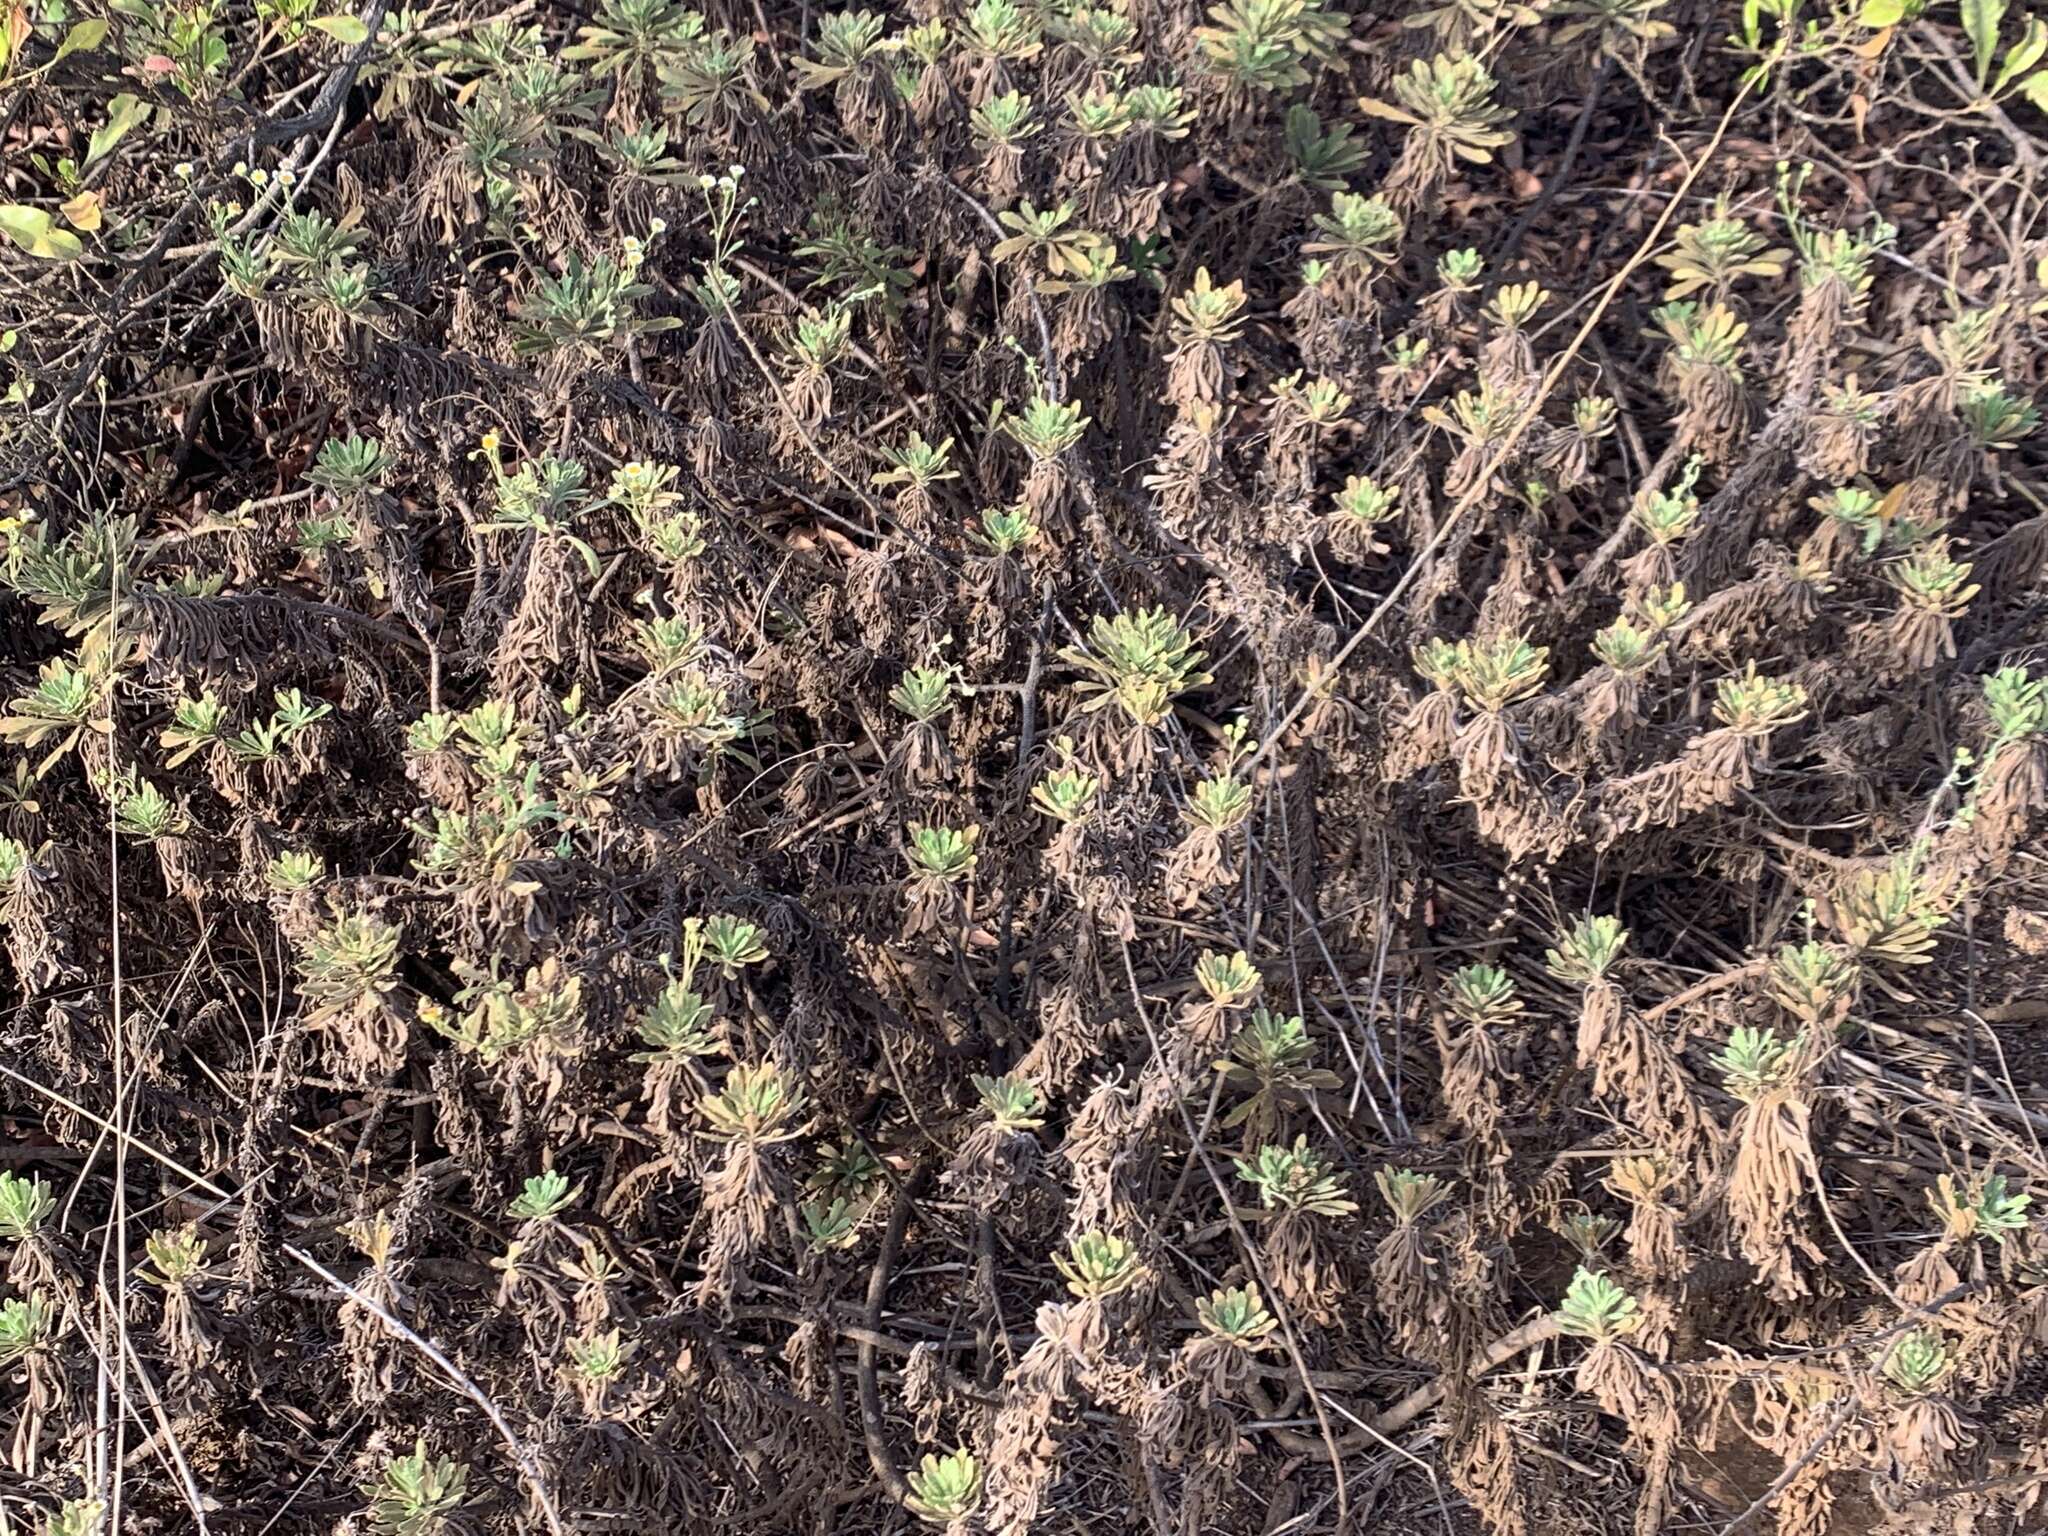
<point>1882,13</point>
<point>123,113</point>
<point>2035,89</point>
<point>83,38</point>
<point>1980,22</point>
<point>344,29</point>
<point>2022,55</point>
<point>37,233</point>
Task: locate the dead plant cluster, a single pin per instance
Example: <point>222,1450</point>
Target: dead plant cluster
<point>1036,765</point>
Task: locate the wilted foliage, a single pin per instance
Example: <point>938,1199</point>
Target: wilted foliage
<point>1036,765</point>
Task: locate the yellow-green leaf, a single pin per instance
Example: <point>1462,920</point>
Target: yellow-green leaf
<point>14,30</point>
<point>1373,107</point>
<point>83,212</point>
<point>2022,55</point>
<point>123,113</point>
<point>2035,89</point>
<point>1882,13</point>
<point>37,233</point>
<point>344,29</point>
<point>83,38</point>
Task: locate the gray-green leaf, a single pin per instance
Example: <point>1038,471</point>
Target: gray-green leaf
<point>123,113</point>
<point>343,29</point>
